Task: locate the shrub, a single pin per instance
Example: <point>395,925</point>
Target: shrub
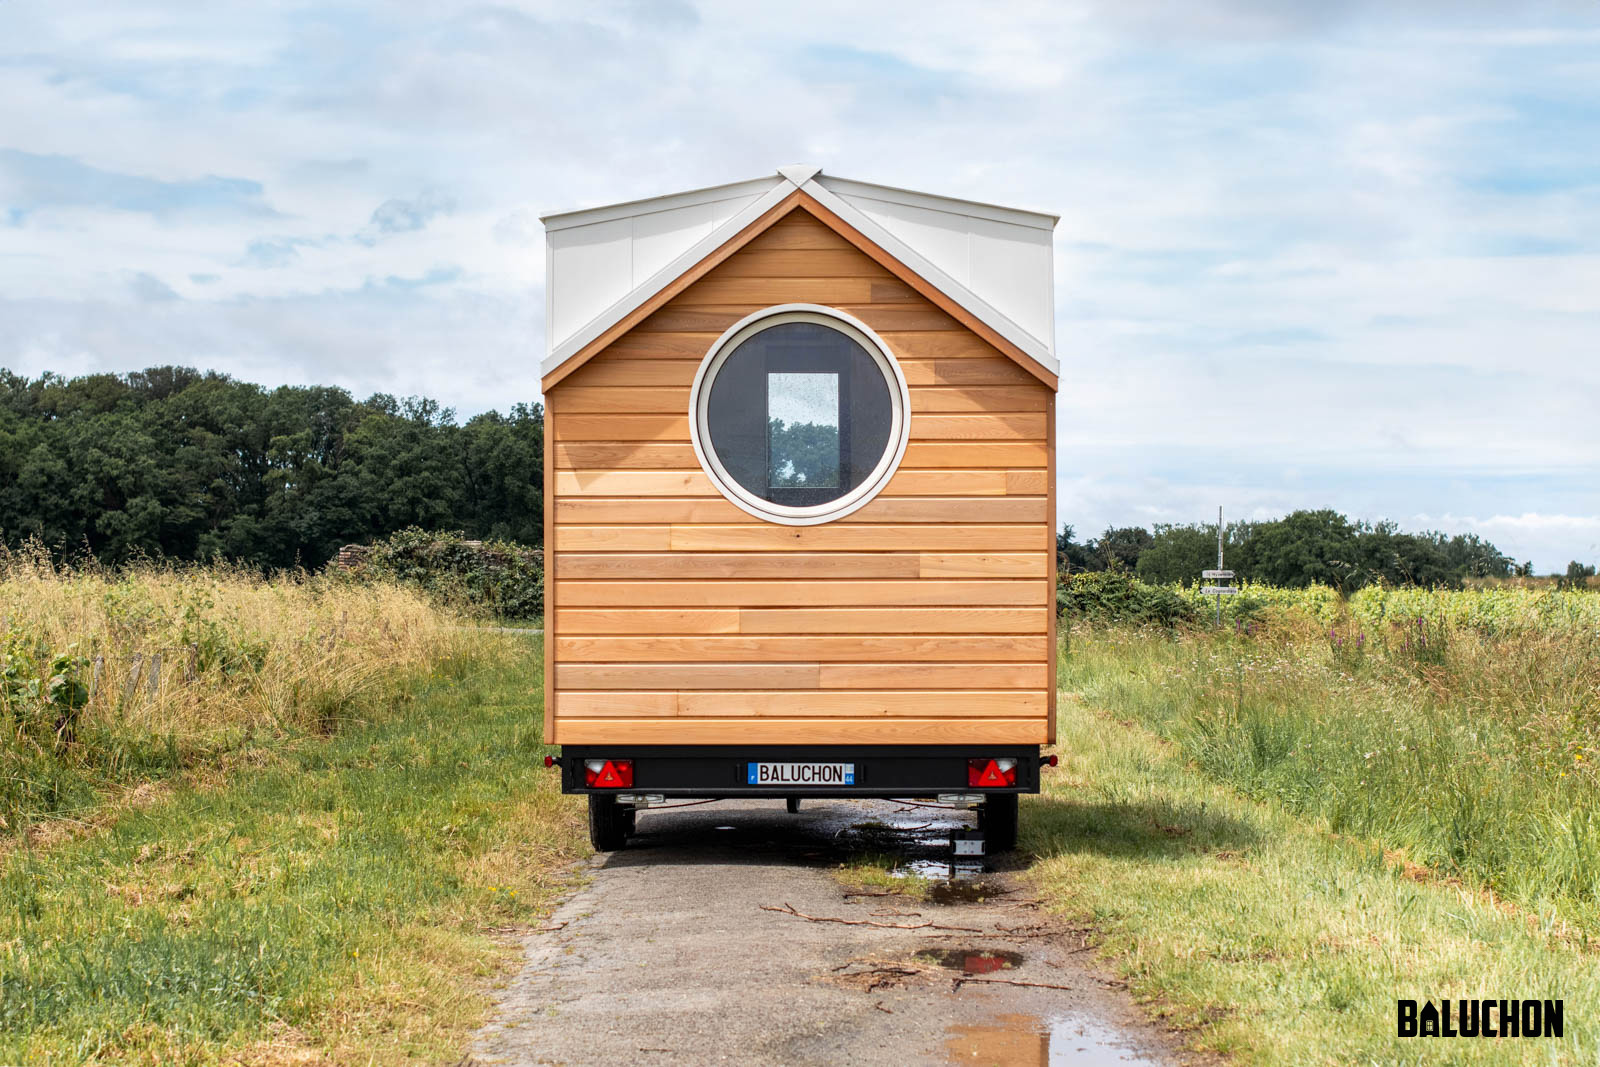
<point>1116,596</point>
<point>496,578</point>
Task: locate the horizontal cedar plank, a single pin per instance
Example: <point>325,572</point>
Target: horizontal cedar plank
<point>723,290</point>
<point>568,399</point>
<point>979,398</point>
<point>688,345</point>
<point>937,620</point>
<point>968,704</point>
<point>612,539</point>
<point>924,455</point>
<point>921,455</point>
<point>772,731</point>
<point>802,675</point>
<point>748,565</point>
<point>600,511</point>
<point>691,676</point>
<point>797,233</point>
<point>934,676</point>
<point>728,649</point>
<point>838,703</point>
<point>570,620</point>
<point>976,564</point>
<point>830,262</point>
<point>636,455</point>
<point>955,343</point>
<point>842,592</point>
<point>620,427</point>
<point>994,371</point>
<point>644,483</point>
<point>668,399</point>
<point>1026,425</point>
<point>614,369</point>
<point>946,483</point>
<point>1027,483</point>
<point>839,537</point>
<point>612,456</point>
<point>697,483</point>
<point>607,370</point>
<point>696,318</point>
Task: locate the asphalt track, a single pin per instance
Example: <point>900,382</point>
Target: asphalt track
<point>709,940</point>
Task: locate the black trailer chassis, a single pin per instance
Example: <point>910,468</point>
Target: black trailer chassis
<point>705,772</point>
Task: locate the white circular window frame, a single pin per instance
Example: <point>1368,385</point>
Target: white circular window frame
<point>700,403</point>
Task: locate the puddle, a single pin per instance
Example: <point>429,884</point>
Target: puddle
<point>971,960</point>
<point>1028,1041</point>
<point>961,883</point>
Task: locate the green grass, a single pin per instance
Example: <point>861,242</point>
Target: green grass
<point>333,900</point>
<point>1473,755</point>
<point>1246,916</point>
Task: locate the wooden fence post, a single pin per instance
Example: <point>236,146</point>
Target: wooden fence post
<point>154,682</point>
<point>133,677</point>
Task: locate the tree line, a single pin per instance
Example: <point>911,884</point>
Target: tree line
<point>1300,549</point>
<point>172,462</point>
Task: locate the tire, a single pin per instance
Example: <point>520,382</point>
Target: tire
<point>793,804</point>
<point>998,820</point>
<point>608,823</point>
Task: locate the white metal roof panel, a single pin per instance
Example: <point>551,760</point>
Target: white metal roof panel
<point>604,262</point>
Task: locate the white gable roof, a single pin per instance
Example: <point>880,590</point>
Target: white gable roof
<point>602,263</point>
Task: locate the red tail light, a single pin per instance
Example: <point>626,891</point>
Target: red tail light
<point>608,773</point>
<point>991,773</point>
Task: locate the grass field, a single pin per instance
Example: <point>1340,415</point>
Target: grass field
<point>332,898</point>
<point>287,843</point>
<point>113,680</point>
<point>1284,826</point>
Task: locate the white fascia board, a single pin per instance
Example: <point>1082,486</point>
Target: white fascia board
<point>949,205</point>
<point>1038,349</point>
<point>776,190</point>
<point>561,220</point>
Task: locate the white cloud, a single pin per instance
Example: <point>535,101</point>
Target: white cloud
<point>1359,241</point>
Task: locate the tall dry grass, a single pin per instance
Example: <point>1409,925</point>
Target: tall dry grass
<point>116,675</point>
<point>1472,748</point>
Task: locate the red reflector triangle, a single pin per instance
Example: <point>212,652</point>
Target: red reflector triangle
<point>608,776</point>
<point>991,775</point>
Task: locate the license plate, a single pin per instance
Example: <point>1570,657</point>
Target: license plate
<point>802,773</point>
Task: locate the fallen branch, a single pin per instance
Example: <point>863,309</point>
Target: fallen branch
<point>958,982</point>
<point>789,909</point>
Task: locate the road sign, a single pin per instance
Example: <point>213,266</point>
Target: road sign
<point>1218,590</point>
<point>1216,574</point>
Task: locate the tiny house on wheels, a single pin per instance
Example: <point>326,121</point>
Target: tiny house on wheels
<point>800,495</point>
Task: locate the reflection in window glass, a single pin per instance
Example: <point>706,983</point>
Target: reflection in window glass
<point>799,414</point>
<point>803,431</point>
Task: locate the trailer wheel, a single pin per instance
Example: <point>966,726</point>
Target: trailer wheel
<point>793,804</point>
<point>608,823</point>
<point>998,820</point>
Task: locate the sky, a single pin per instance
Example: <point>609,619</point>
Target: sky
<point>1311,254</point>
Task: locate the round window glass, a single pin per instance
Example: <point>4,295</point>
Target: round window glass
<point>799,415</point>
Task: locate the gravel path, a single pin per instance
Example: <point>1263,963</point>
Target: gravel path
<point>671,954</point>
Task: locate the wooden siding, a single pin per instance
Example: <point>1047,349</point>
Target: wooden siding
<point>927,616</point>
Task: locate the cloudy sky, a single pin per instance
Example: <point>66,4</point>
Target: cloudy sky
<point>1310,253</point>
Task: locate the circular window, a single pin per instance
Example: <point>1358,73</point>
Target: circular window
<point>799,414</point>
